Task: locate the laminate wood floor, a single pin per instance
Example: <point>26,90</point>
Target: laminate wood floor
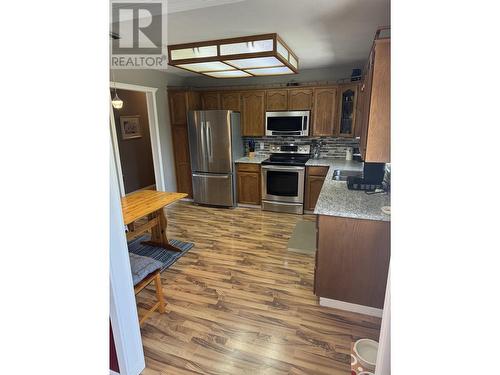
<point>240,303</point>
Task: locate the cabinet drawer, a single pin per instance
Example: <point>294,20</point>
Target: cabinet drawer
<point>317,171</point>
<point>248,167</point>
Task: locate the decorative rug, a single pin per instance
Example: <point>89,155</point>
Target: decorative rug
<point>303,239</point>
<point>166,257</point>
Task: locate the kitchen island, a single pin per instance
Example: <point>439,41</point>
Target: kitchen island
<point>353,252</point>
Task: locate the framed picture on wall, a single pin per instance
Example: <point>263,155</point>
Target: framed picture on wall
<point>131,127</point>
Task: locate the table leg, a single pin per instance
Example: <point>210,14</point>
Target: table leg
<point>159,232</point>
<point>159,293</point>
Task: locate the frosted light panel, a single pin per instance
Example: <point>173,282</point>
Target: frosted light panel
<point>293,61</point>
<point>282,50</point>
<point>246,47</point>
<point>270,71</point>
<point>258,62</point>
<point>193,53</point>
<point>229,74</point>
<point>206,66</point>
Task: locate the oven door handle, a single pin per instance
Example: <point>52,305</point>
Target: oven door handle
<point>282,168</point>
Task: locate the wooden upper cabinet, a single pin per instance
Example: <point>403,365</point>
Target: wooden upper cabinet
<point>276,100</point>
<point>194,101</point>
<point>210,100</point>
<point>252,113</point>
<point>300,99</point>
<point>178,113</point>
<point>375,143</point>
<point>325,101</point>
<point>231,101</point>
<point>348,97</point>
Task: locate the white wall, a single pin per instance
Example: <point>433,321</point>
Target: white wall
<point>153,78</point>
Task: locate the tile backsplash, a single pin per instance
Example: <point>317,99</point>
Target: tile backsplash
<point>332,147</point>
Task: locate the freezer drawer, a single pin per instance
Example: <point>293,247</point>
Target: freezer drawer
<point>213,189</point>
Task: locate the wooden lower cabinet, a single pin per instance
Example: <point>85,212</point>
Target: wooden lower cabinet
<point>352,260</point>
<point>315,177</point>
<point>248,181</point>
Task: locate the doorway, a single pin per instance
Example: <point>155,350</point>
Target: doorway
<point>135,139</point>
<point>134,142</point>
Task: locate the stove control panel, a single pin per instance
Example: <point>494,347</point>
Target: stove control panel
<point>290,149</point>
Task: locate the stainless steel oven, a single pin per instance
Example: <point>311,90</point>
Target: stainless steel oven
<point>287,123</point>
<point>283,178</point>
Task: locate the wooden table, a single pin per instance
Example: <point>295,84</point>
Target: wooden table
<point>149,203</point>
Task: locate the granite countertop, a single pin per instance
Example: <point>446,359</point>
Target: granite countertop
<point>336,200</point>
<point>255,160</point>
<point>336,163</point>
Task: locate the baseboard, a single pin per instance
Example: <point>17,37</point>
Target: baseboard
<point>309,212</point>
<point>352,307</point>
<point>244,205</point>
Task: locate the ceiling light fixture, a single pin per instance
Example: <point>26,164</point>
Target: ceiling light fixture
<point>248,56</point>
<point>116,102</point>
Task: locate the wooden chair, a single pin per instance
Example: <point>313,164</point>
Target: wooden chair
<point>160,305</point>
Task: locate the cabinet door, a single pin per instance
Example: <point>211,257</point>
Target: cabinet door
<point>252,113</point>
<point>182,161</point>
<point>313,188</point>
<point>194,101</point>
<point>276,100</point>
<point>378,138</point>
<point>210,100</point>
<point>177,100</point>
<point>347,110</point>
<point>231,101</point>
<point>366,89</point>
<point>300,99</point>
<point>249,187</point>
<point>325,101</point>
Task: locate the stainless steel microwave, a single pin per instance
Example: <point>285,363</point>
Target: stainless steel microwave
<point>291,123</point>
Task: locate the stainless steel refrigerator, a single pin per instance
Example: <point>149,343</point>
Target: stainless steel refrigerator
<point>214,144</point>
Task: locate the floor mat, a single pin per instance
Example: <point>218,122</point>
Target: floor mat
<point>166,257</point>
<point>303,238</point>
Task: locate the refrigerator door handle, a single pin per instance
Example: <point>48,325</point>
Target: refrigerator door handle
<point>209,138</point>
<point>225,176</point>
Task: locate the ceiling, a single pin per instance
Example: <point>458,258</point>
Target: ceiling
<point>323,33</point>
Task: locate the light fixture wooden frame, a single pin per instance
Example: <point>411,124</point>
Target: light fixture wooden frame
<point>224,58</point>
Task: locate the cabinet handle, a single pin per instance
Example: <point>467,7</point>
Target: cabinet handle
<point>363,88</point>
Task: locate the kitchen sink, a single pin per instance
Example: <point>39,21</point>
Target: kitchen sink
<point>340,175</point>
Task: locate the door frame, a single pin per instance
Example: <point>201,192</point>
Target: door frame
<point>154,134</point>
<point>122,303</point>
